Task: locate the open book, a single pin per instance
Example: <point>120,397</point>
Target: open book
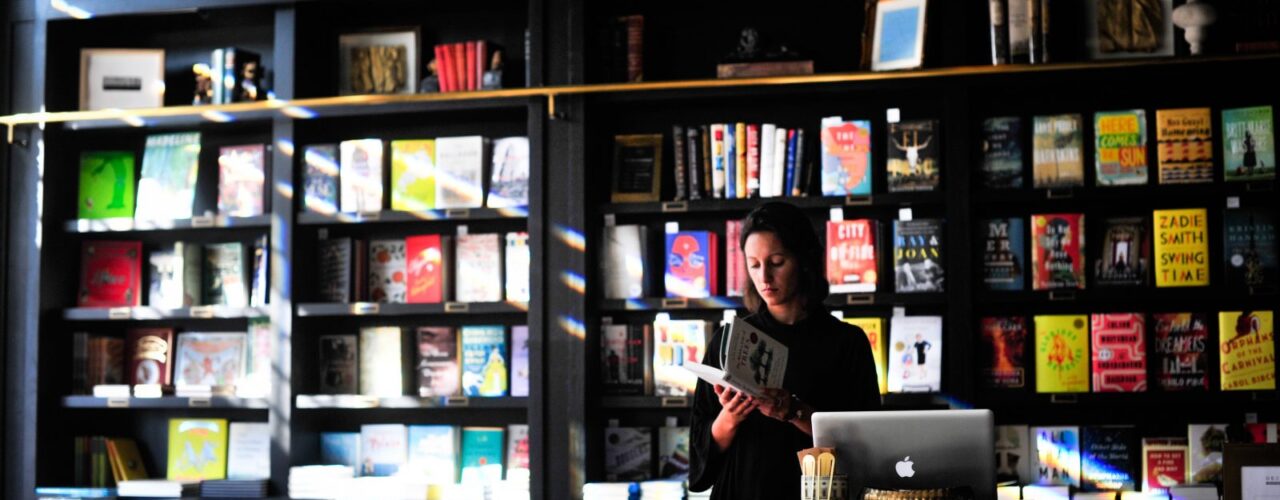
<point>752,361</point>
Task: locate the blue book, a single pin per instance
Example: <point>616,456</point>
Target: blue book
<point>321,178</point>
<point>482,454</point>
<point>691,264</point>
<point>792,144</point>
<point>74,492</point>
<point>340,448</point>
<point>432,452</point>
<point>1002,152</point>
<point>731,161</point>
<point>1109,458</point>
<point>520,361</point>
<point>1004,254</point>
<point>484,363</point>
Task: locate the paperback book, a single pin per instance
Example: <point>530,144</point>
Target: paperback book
<point>1013,454</point>
<point>387,271</point>
<point>1057,251</point>
<point>1250,250</point>
<point>509,180</point>
<point>626,359</point>
<point>166,189</point>
<point>914,159</point>
<point>520,361</point>
<point>224,282</point>
<point>110,274</point>
<point>1247,350</point>
<point>1248,144</point>
<point>627,452</point>
<point>106,185</point>
<point>1107,458</point>
<point>439,362</point>
<point>242,173</point>
<point>209,359</point>
<point>197,449</point>
<point>1002,152</point>
<point>1181,247</point>
<point>433,453</point>
<point>478,276</point>
<point>320,178</point>
<point>691,264</point>
<point>917,256</point>
<point>384,449</point>
<point>338,364</point>
<point>750,361</point>
<point>175,275</point>
<point>413,175</point>
<point>1062,354</point>
<point>484,361</point>
<point>676,344</point>
<point>380,372</point>
<point>1005,340</point>
<point>1004,254</point>
<point>1057,455</point>
<point>623,262</point>
<point>360,175</point>
<point>1185,138</point>
<point>1126,253</point>
<point>846,157</point>
<point>915,354</point>
<point>1120,142</point>
<point>428,270</point>
<point>460,171</point>
<point>1058,155</point>
<point>1119,352</point>
<point>481,456</point>
<point>1181,350</point>
<point>851,256</point>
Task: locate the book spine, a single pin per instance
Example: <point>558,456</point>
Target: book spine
<point>740,162</point>
<point>717,160</point>
<point>635,48</point>
<point>767,133</point>
<point>753,160</point>
<point>1034,13</point>
<point>804,174</point>
<point>693,147</point>
<point>789,184</point>
<point>459,66</point>
<point>1044,31</point>
<point>706,162</point>
<point>471,64</point>
<point>444,69</point>
<point>677,145</point>
<point>215,67</point>
<point>999,32</point>
<point>730,161</point>
<point>780,162</point>
<point>482,62</point>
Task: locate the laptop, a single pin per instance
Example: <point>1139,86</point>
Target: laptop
<point>911,449</point>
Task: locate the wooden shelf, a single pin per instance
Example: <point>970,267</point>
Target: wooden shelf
<point>378,309</point>
<point>167,402</point>
<point>711,206</point>
<point>445,215</point>
<point>152,313</point>
<point>123,225</point>
<point>835,300</point>
<point>355,402</point>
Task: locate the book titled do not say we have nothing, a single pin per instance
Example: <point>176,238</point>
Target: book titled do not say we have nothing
<point>752,361</point>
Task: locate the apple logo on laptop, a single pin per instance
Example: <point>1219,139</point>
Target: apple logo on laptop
<point>904,468</point>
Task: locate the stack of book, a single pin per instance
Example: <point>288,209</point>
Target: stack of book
<point>461,65</point>
<point>663,490</point>
<point>239,488</point>
<point>158,488</point>
<point>610,491</point>
<point>319,481</point>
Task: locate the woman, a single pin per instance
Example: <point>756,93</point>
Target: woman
<point>746,447</point>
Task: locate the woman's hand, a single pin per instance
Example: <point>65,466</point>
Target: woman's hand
<point>776,404</point>
<point>735,406</point>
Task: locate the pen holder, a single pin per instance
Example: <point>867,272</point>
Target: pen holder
<point>824,487</point>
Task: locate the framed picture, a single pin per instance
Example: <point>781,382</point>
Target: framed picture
<point>121,78</point>
<point>637,168</point>
<point>899,39</point>
<point>1120,29</point>
<point>381,62</point>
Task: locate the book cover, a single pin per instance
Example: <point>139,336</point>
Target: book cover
<point>673,452</point>
<point>335,261</point>
<point>846,157</point>
<point>1062,353</point>
<point>520,361</point>
<point>731,161</point>
<point>341,448</point>
<point>509,179</point>
<point>106,185</point>
<point>197,449</point>
<point>915,354</point>
<point>1126,253</point>
<point>175,275</point>
<point>380,356</point>
<point>387,271</point>
<point>481,455</point>
<point>753,160</point>
<point>768,142</point>
<point>439,362</point>
<point>917,256</point>
<point>1057,455</point>
<point>413,175</point>
<point>384,449</point>
<point>338,364</point>
<point>1058,154</point>
<point>1164,463</point>
<point>1107,458</point>
<point>750,360</point>
<point>681,169</point>
<point>1249,238</point>
<point>1119,352</point>
<point>320,178</point>
<point>1181,247</point>
<point>224,282</point>
<point>484,361</point>
<point>691,264</point>
<point>1057,251</point>
<point>1004,253</point>
<point>249,450</point>
<point>516,272</point>
<point>735,265</point>
<point>210,359</point>
<point>627,453</point>
<point>166,189</point>
<point>740,162</point>
<point>625,359</point>
<point>1248,144</point>
<point>623,262</point>
<point>1263,433</point>
<point>478,275</point>
<point>110,274</point>
<point>874,328</point>
<point>1247,350</point>
<point>1182,350</point>
<point>1185,139</point>
<point>148,351</point>
<point>1206,445</point>
<point>677,343</point>
<point>851,255</point>
<point>1004,342</point>
<point>433,453</point>
<point>914,159</point>
<point>259,287</point>
<point>517,451</point>
<point>1002,152</point>
<point>1013,454</point>
<point>460,171</point>
<point>427,269</point>
<point>1120,147</point>
<point>360,175</point>
<point>125,457</point>
<point>242,173</point>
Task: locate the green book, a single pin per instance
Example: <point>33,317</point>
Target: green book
<point>167,188</point>
<point>106,184</point>
<point>1248,144</point>
<point>482,454</point>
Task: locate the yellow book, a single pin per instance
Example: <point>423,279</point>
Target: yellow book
<point>740,142</point>
<point>197,449</point>
<point>1062,353</point>
<point>1246,342</point>
<point>126,462</point>
<point>874,328</point>
<point>413,175</point>
<point>1182,247</point>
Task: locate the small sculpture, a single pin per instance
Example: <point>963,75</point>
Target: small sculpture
<point>1193,17</point>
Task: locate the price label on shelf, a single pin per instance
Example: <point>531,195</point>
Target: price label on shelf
<point>899,312</point>
<point>673,227</point>
<point>458,213</point>
<point>119,313</point>
<point>674,402</point>
<point>893,115</point>
<point>201,221</point>
<point>675,206</point>
<point>457,307</point>
<point>199,402</point>
<point>675,303</point>
<point>836,214</point>
<point>462,230</point>
<point>364,308</point>
<point>905,214</point>
<point>457,402</point>
<point>203,312</point>
<point>369,216</point>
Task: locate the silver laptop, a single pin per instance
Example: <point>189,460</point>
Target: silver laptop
<point>911,449</point>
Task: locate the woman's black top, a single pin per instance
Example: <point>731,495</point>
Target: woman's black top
<point>829,367</point>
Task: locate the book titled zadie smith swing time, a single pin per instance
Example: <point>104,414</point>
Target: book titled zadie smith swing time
<point>752,361</point>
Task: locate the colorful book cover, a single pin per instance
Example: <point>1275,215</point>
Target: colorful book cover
<point>433,453</point>
<point>517,451</point>
<point>210,359</point>
<point>175,275</point>
<point>627,452</point>
<point>249,451</point>
<point>1013,454</point>
<point>481,454</point>
<point>360,175</point>
<point>484,361</point>
<point>338,364</point>
<point>460,172</point>
<point>259,285</point>
<point>673,452</point>
<point>1119,352</point>
<point>166,189</point>
<point>1002,152</point>
<point>197,449</point>
<point>224,282</point>
<point>413,175</point>
<point>1263,433</point>
<point>1057,455</point>
<point>124,453</point>
<point>917,256</point>
<point>1057,251</point>
<point>625,359</point>
<point>914,156</point>
<point>340,448</point>
<point>106,185</point>
<point>110,274</point>
<point>730,162</point>
<point>740,163</point>
<point>242,173</point>
<point>851,256</point>
<point>691,264</point>
<point>1247,350</point>
<point>387,271</point>
<point>336,257</point>
<point>735,265</point>
<point>675,344</point>
<point>384,449</point>
<point>1062,354</point>
<point>148,351</point>
<point>1120,145</point>
<point>846,157</point>
<point>509,179</point>
<point>1107,458</point>
<point>623,262</point>
<point>1207,443</point>
<point>1058,155</point>
<point>478,276</point>
<point>1005,345</point>
<point>1181,247</point>
<point>426,268</point>
<point>439,363</point>
<point>516,273</point>
<point>320,178</point>
<point>1248,144</point>
<point>1164,464</point>
<point>1126,253</point>
<point>520,361</point>
<point>1182,350</point>
<point>874,328</point>
<point>1185,138</point>
<point>915,354</point>
<point>1004,254</point>
<point>380,356</point>
<point>1250,249</point>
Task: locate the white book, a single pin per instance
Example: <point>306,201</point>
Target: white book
<point>175,276</point>
<point>360,175</point>
<point>249,450</point>
<point>717,160</point>
<point>780,161</point>
<point>517,451</point>
<point>516,274</point>
<point>385,448</point>
<point>433,451</point>
<point>676,344</point>
<point>768,133</point>
<point>166,189</point>
<point>624,262</point>
<point>460,172</point>
<point>752,361</point>
<point>915,354</point>
<point>478,276</point>
<point>509,181</point>
<point>380,372</point>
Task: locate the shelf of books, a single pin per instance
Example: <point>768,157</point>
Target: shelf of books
<point>125,225</point>
<point>354,402</point>
<point>393,309</point>
<point>157,313</point>
<point>164,402</point>
<point>460,215</point>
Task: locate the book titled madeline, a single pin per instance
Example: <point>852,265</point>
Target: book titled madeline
<point>752,361</point>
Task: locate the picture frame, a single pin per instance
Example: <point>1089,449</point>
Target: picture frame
<point>112,78</point>
<point>637,168</point>
<point>1103,46</point>
<point>899,35</point>
<point>384,61</point>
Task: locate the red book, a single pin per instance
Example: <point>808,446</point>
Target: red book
<point>851,256</point>
<point>735,263</point>
<point>1119,352</point>
<point>441,65</point>
<point>1004,340</point>
<point>482,62</point>
<point>426,265</point>
<point>450,73</point>
<point>1057,251</point>
<point>471,64</point>
<point>753,160</point>
<point>111,274</point>
<point>634,25</point>
<point>459,66</point>
<point>148,351</point>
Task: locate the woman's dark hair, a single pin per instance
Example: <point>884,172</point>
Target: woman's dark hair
<point>795,231</point>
